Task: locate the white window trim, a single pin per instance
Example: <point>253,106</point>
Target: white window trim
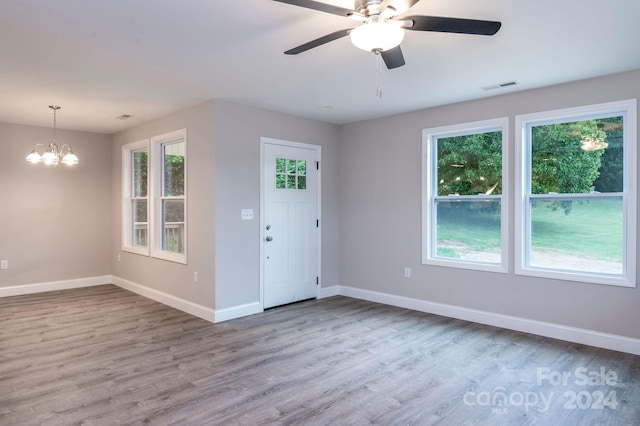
<point>127,236</point>
<point>628,109</point>
<point>155,179</point>
<point>428,185</point>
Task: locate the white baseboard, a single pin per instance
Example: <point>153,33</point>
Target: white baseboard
<point>556,331</point>
<point>195,309</point>
<point>187,306</point>
<point>238,311</point>
<point>18,290</point>
<point>328,291</point>
<point>256,307</point>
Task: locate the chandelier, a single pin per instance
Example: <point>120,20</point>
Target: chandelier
<point>52,155</point>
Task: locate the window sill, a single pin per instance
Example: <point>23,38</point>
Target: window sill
<point>169,256</point>
<point>476,266</point>
<point>136,250</point>
<point>602,279</point>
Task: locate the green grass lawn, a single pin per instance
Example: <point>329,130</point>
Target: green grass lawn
<point>468,227</point>
<point>592,229</point>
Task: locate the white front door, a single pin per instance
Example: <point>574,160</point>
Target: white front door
<point>290,222</point>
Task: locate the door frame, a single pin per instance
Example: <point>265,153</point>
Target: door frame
<point>318,150</point>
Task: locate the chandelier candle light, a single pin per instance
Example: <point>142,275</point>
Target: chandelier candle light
<point>53,155</point>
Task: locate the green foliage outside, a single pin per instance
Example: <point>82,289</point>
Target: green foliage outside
<point>173,175</point>
<point>291,174</point>
<point>558,164</point>
<point>174,185</point>
<point>472,165</point>
<point>140,173</point>
<point>173,210</point>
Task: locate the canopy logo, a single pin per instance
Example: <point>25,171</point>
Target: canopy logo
<point>584,389</point>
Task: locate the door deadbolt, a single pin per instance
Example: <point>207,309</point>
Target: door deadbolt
<point>268,227</point>
<point>269,238</point>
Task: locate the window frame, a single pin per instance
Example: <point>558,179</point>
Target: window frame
<point>157,184</point>
<point>430,193</point>
<point>523,195</point>
<point>128,151</point>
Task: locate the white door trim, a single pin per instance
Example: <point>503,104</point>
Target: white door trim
<point>318,149</point>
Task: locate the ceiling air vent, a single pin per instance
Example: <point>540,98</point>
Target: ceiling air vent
<point>500,85</point>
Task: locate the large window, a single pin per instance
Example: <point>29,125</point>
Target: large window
<point>154,197</point>
<point>576,194</point>
<point>464,209</point>
<point>135,216</point>
<point>169,208</point>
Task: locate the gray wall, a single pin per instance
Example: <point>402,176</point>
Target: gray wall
<point>55,223</point>
<point>223,163</point>
<point>371,188</point>
<point>170,277</point>
<point>380,208</point>
<point>237,151</point>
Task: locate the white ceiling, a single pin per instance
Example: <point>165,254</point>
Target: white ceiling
<point>148,58</point>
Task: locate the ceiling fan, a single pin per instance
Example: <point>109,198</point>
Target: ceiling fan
<point>382,29</point>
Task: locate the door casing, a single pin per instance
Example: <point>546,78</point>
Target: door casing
<point>318,149</point>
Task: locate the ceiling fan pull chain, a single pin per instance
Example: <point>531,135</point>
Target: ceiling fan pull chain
<point>378,74</point>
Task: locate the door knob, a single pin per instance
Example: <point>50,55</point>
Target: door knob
<point>269,238</point>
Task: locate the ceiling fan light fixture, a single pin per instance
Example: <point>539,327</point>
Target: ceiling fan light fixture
<point>377,35</point>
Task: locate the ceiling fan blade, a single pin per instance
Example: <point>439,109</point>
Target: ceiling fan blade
<point>393,58</point>
<point>318,42</point>
<point>452,25</point>
<point>322,7</point>
<point>399,6</point>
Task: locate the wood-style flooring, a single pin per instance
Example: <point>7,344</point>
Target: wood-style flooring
<point>105,356</point>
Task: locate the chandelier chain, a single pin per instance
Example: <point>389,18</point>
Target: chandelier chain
<point>55,109</point>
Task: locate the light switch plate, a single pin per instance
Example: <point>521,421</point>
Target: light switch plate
<point>246,214</point>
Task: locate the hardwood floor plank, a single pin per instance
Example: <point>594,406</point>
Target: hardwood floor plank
<point>105,356</point>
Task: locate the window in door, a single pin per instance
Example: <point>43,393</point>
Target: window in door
<point>291,174</point>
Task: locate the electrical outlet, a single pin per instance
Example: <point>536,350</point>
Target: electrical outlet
<point>4,264</point>
<point>407,272</point>
<point>195,277</point>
